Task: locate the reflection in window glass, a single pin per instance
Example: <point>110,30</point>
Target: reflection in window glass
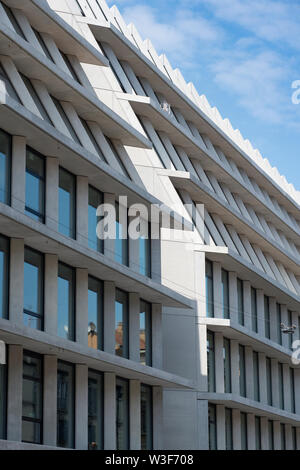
<point>121,324</point>
<point>240,298</point>
<point>257,433</point>
<point>242,371</point>
<point>121,241</point>
<point>282,436</point>
<point>281,386</point>
<point>267,317</point>
<point>271,435</point>
<point>33,289</point>
<point>225,293</point>
<point>228,429</point>
<point>95,313</point>
<point>35,186</point>
<point>4,276</point>
<point>5,165</point>
<point>65,405</point>
<point>145,253</point>
<point>227,365</point>
<point>122,413</point>
<point>211,375</point>
<point>67,203</point>
<point>212,427</point>
<point>66,302</point>
<point>146,418</point>
<point>269,381</point>
<point>256,376</point>
<point>254,309</point>
<point>278,317</point>
<point>95,410</point>
<point>244,433</point>
<point>32,404</point>
<point>209,289</point>
<point>95,200</point>
<point>145,333</point>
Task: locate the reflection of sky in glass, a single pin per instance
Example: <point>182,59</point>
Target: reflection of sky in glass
<point>119,313</point>
<point>63,307</point>
<point>31,288</point>
<point>119,243</point>
<point>93,308</point>
<point>33,193</point>
<point>144,257</point>
<point>142,320</point>
<point>65,213</point>
<point>1,283</point>
<point>3,177</point>
<point>93,239</point>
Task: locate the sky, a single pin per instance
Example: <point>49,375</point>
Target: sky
<point>244,55</point>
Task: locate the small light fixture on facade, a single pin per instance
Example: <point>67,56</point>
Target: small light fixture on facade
<point>288,329</point>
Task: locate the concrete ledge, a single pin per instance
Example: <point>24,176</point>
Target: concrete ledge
<point>11,445</point>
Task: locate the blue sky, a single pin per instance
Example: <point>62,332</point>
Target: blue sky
<point>243,55</point>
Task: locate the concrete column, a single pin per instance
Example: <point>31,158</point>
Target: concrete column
<point>16,281</point>
<point>260,313</point>
<point>275,383</point>
<point>155,253</point>
<point>109,411</point>
<point>199,260</point>
<point>273,319</point>
<point>157,418</point>
<point>217,285</point>
<point>52,181</point>
<point>18,173</point>
<point>249,372</point>
<point>288,437</point>
<point>264,433</point>
<point>51,276</point>
<point>247,304</point>
<point>277,435</point>
<point>134,327</point>
<point>201,372</point>
<point>109,244</point>
<point>221,429</point>
<point>233,299</point>
<point>81,407</point>
<point>82,215</point>
<point>284,320</point>
<point>50,401</point>
<point>251,431</point>
<point>14,393</point>
<point>236,429</point>
<point>202,425</point>
<point>109,317</point>
<point>298,438</point>
<point>157,346</point>
<point>219,363</point>
<point>286,387</point>
<point>234,348</point>
<point>82,306</point>
<point>262,378</point>
<point>135,414</point>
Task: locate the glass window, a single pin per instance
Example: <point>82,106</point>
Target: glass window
<point>3,389</point>
<point>244,432</point>
<point>5,166</point>
<point>254,309</point>
<point>145,255</point>
<point>146,418</point>
<point>242,370</point>
<point>292,389</point>
<point>121,324</point>
<point>122,413</point>
<point>4,276</point>
<point>281,389</point>
<point>257,433</point>
<point>256,376</point>
<point>65,119</point>
<point>267,316</point>
<point>228,429</point>
<point>95,410</point>
<point>95,313</point>
<point>290,321</point>
<point>271,434</point>
<point>282,436</point>
<point>67,203</point>
<point>278,318</point>
<point>32,403</point>
<point>121,241</point>
<point>35,185</point>
<point>65,405</point>
<point>211,375</point>
<point>145,333</point>
<point>95,200</point>
<point>212,426</point>
<point>66,302</point>
<point>240,299</point>
<point>209,289</point>
<point>33,289</point>
<point>269,381</point>
<point>227,365</point>
<point>225,293</point>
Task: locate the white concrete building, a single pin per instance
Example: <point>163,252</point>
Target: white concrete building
<point>173,343</point>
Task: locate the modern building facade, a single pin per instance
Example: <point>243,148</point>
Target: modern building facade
<point>169,342</point>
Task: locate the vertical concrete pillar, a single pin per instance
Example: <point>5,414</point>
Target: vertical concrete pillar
<point>134,327</point>
<point>273,319</point>
<point>81,407</point>
<point>217,286</point>
<point>82,306</point>
<point>51,275</point>
<point>219,363</point>
<point>109,317</point>
<point>50,401</point>
<point>52,181</point>
<point>260,313</point>
<point>201,372</point>
<point>286,387</point>
<point>157,346</point>
<point>82,215</point>
<point>157,418</point>
<point>221,429</point>
<point>155,252</point>
<point>236,429</point>
<point>18,173</point>
<point>275,382</point>
<point>262,378</point>
<point>298,438</point>
<point>16,281</point>
<point>199,259</point>
<point>235,380</point>
<point>284,320</point>
<point>288,437</point>
<point>249,372</point>
<point>233,299</point>
<point>109,411</point>
<point>264,433</point>
<point>247,304</point>
<point>202,425</point>
<point>109,243</point>
<point>14,393</point>
<point>135,414</point>
<point>277,435</point>
<point>251,431</point>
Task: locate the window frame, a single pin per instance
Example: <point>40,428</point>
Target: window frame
<point>41,283</point>
<point>41,382</point>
